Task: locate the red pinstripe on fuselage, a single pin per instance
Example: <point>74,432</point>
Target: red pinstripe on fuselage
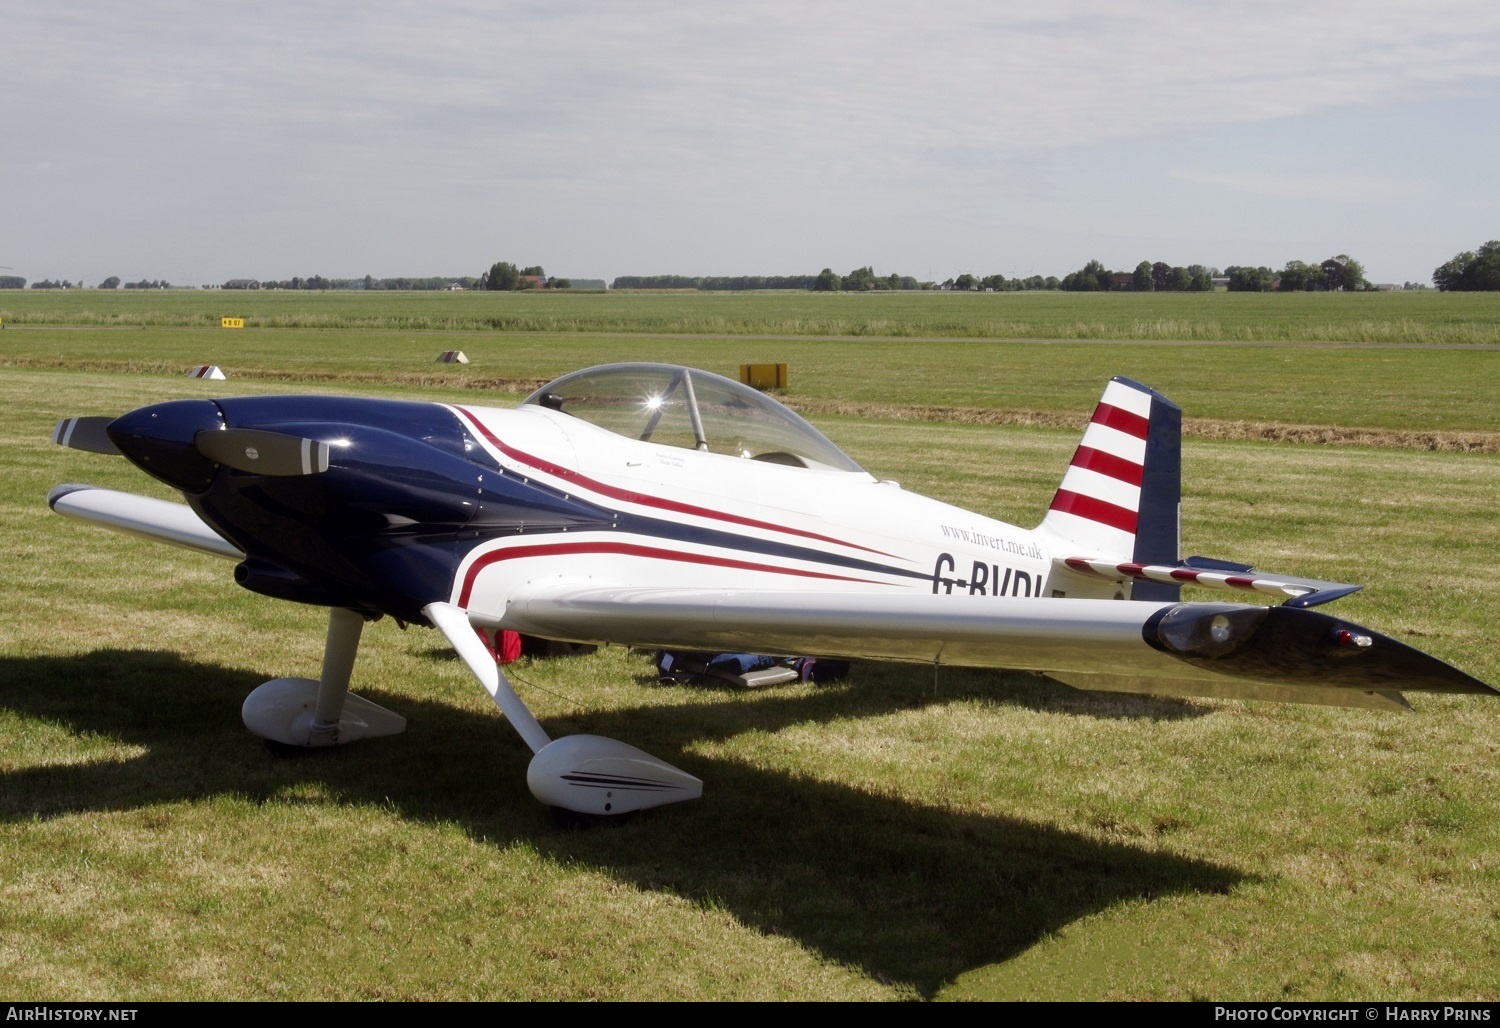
<point>867,551</point>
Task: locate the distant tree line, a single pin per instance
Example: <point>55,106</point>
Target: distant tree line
<point>113,282</point>
<point>1146,278</point>
<point>1471,271</point>
<point>995,283</point>
<point>1337,274</point>
<point>433,283</point>
<point>1341,273</point>
<point>714,283</point>
<point>1001,284</point>
<point>1467,271</point>
<point>505,276</point>
<point>297,282</point>
<point>864,280</point>
<point>858,280</point>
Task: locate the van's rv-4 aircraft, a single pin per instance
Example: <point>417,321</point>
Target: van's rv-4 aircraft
<point>654,505</point>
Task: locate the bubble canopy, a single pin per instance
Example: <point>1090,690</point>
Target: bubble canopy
<point>696,410</point>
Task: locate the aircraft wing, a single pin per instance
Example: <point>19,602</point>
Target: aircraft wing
<point>161,520</point>
<point>1195,649</point>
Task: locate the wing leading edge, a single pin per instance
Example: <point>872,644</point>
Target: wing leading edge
<point>1188,649</point>
<point>160,520</point>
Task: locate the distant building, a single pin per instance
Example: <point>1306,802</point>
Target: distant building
<point>242,283</point>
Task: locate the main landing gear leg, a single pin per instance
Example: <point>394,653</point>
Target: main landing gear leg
<point>306,713</point>
<point>587,774</point>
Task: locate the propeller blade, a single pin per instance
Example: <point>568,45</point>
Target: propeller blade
<point>85,434</point>
<point>261,452</point>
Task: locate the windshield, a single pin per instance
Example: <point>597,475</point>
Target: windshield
<point>675,406</point>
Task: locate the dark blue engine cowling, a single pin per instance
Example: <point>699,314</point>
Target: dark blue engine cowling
<point>407,493</point>
<point>159,440</point>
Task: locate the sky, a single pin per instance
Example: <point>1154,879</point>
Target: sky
<point>200,142</point>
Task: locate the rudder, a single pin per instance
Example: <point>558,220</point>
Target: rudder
<point>1121,497</point>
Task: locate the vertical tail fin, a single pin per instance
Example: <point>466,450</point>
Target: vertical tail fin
<point>1122,495</point>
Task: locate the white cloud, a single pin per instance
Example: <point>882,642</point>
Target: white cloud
<point>642,79</point>
<point>328,111</point>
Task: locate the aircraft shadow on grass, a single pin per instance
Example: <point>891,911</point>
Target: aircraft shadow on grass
<point>983,685</point>
<point>948,891</point>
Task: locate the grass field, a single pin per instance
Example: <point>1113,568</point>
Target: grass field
<point>975,836</point>
<point>1398,389</point>
<point>1396,317</point>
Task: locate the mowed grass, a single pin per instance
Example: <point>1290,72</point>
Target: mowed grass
<point>964,835</point>
<point>1396,317</point>
<point>1394,389</point>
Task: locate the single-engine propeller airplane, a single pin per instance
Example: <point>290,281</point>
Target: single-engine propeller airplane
<point>656,505</point>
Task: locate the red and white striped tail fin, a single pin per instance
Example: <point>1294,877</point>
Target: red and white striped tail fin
<point>1122,491</point>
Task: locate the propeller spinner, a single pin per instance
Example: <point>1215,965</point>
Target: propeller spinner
<point>183,441</point>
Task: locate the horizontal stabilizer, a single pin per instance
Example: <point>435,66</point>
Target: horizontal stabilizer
<point>1245,579</point>
<point>159,520</point>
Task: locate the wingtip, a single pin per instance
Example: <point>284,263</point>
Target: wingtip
<point>57,492</point>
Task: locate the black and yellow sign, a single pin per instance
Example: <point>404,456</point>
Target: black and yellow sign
<point>231,322</point>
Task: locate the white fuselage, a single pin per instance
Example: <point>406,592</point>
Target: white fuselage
<point>693,519</point>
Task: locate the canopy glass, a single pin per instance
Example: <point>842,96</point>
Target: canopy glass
<point>696,410</point>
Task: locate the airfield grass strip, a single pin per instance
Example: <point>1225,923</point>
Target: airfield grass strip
<point>1391,330</point>
<point>903,835</point>
<point>1390,317</point>
<point>438,380</point>
<point>1201,428</point>
<point>1436,441</point>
